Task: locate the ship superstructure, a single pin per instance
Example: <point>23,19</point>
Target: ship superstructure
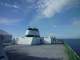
<point>34,47</point>
<point>32,37</point>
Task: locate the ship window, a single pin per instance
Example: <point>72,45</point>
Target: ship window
<point>33,29</point>
<point>32,36</point>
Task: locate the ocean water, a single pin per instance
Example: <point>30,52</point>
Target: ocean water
<point>74,44</point>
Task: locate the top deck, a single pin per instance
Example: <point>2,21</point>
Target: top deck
<point>40,52</point>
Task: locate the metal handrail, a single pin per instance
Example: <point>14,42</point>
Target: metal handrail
<point>71,53</point>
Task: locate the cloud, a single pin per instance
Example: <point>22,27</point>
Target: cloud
<point>9,5</point>
<point>6,21</point>
<point>49,8</point>
<point>76,22</point>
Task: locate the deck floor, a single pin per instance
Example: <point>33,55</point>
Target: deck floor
<point>40,52</point>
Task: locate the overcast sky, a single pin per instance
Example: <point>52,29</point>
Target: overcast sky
<point>60,18</point>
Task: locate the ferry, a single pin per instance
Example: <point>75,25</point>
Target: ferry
<point>34,47</point>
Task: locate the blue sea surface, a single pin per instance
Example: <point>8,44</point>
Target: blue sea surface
<point>74,44</point>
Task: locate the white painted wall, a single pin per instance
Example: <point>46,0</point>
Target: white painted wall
<point>36,40</point>
<point>24,40</point>
<point>28,40</point>
<point>47,40</point>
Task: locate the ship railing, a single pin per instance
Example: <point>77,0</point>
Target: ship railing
<point>71,53</point>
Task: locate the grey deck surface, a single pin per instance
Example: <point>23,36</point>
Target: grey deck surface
<point>40,52</point>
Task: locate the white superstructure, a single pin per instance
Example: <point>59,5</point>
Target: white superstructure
<point>32,32</point>
<point>47,40</point>
<point>32,37</point>
<point>28,40</point>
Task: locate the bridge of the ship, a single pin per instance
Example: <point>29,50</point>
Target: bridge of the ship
<point>37,52</point>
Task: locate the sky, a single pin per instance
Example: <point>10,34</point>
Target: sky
<point>60,18</point>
